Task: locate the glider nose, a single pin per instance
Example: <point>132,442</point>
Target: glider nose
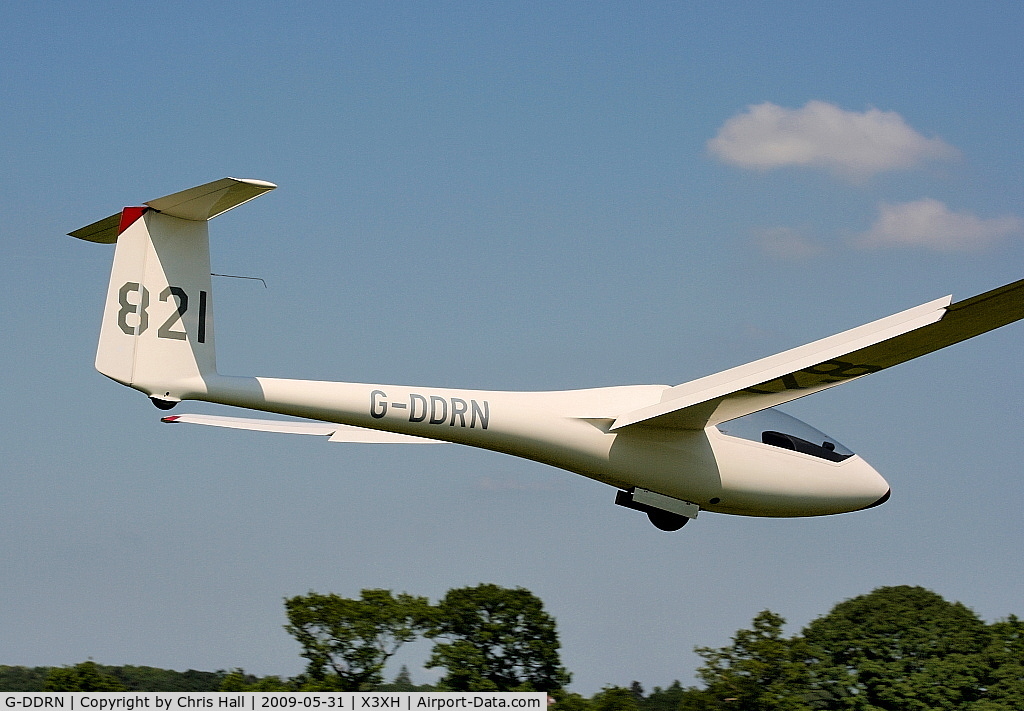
<point>876,488</point>
<point>881,500</point>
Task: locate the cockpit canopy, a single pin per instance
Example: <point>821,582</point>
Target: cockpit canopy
<point>778,429</point>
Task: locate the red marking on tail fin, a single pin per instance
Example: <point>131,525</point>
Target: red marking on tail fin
<point>128,216</point>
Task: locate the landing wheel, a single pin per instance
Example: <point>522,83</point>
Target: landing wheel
<point>666,520</point>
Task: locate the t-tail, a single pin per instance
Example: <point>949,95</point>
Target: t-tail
<point>157,331</point>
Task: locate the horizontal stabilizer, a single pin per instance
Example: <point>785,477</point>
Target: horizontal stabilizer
<point>104,231</point>
<point>336,432</point>
<point>837,359</point>
<point>203,202</point>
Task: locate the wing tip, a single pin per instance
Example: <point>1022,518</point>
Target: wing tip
<point>266,184</point>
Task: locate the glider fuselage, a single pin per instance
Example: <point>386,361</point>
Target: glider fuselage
<point>571,430</point>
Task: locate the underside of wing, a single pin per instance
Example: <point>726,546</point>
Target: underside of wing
<point>336,432</point>
<point>823,364</point>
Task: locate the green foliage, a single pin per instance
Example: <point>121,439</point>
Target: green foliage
<point>499,639</point>
<point>1004,657</point>
<point>403,682</point>
<point>667,699</point>
<point>238,680</point>
<point>404,679</point>
<point>901,648</point>
<point>153,679</point>
<point>569,701</point>
<point>23,678</point>
<point>131,677</point>
<point>898,648</point>
<point>346,641</point>
<point>85,676</point>
<point>760,671</point>
<point>615,698</point>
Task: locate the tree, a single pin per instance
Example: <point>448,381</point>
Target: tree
<point>568,701</point>
<point>667,699</point>
<point>898,648</point>
<point>760,671</point>
<point>348,641</point>
<point>499,639</point>
<point>616,698</point>
<point>1003,684</point>
<point>238,680</point>
<point>85,676</point>
<point>403,682</point>
<point>23,678</point>
<point>637,689</point>
<point>137,678</point>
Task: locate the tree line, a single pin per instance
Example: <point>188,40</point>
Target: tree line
<point>900,648</point>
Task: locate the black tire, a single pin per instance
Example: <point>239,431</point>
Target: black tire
<point>666,520</point>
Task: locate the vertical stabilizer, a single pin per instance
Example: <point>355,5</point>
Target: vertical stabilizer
<point>157,330</point>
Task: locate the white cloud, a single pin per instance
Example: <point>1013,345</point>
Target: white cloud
<point>822,135</point>
<point>929,223</point>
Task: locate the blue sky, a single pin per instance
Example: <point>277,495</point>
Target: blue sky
<point>534,196</point>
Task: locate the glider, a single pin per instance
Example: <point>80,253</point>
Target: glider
<point>713,444</point>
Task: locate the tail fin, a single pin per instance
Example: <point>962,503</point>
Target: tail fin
<point>157,330</point>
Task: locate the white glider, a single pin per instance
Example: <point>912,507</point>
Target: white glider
<point>711,444</point>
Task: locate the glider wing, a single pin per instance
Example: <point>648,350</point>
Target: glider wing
<point>837,359</point>
<point>337,433</point>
